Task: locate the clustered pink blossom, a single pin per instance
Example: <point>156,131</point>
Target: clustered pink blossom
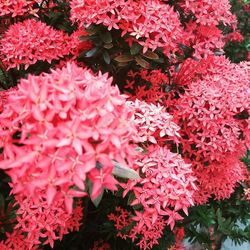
<point>207,110</point>
<point>37,223</point>
<point>211,134</point>
<point>149,232</point>
<point>167,181</point>
<point>27,42</point>
<point>72,126</point>
<point>153,122</point>
<point>152,23</point>
<point>166,186</point>
<point>38,220</point>
<point>17,8</point>
<point>209,12</point>
<point>234,37</point>
<point>204,39</point>
<point>147,85</point>
<point>16,240</point>
<point>144,232</point>
<point>122,219</point>
<point>219,179</point>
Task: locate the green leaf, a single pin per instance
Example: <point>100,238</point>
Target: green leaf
<point>106,57</point>
<point>124,172</point>
<point>124,58</point>
<point>108,45</point>
<point>151,55</point>
<point>143,63</point>
<point>123,64</point>
<point>135,49</point>
<point>106,37</point>
<point>91,52</point>
<point>93,29</point>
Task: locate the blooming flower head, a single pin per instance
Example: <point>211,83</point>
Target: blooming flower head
<point>71,126</point>
<point>204,39</point>
<point>153,23</point>
<point>38,220</point>
<point>234,37</point>
<point>17,8</point>
<point>211,12</point>
<point>219,179</point>
<point>27,42</point>
<point>209,109</point>
<point>167,182</point>
<point>153,122</point>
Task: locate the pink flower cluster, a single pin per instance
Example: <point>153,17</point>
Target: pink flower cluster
<point>207,110</point>
<point>27,42</point>
<point>42,223</point>
<point>63,128</point>
<point>147,85</point>
<point>167,182</point>
<point>219,179</point>
<point>144,232</point>
<point>234,36</point>
<point>153,122</point>
<point>39,223</point>
<point>204,39</point>
<point>211,134</point>
<point>209,12</point>
<point>17,8</point>
<point>152,23</point>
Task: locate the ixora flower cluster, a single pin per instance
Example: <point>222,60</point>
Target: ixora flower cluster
<point>76,133</point>
<point>212,134</point>
<point>152,23</point>
<point>72,125</point>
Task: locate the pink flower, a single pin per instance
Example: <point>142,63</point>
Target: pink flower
<point>234,37</point>
<point>17,8</point>
<point>219,179</point>
<point>211,12</point>
<point>167,182</point>
<point>72,125</point>
<point>27,42</point>
<point>208,108</point>
<point>153,122</point>
<point>152,23</point>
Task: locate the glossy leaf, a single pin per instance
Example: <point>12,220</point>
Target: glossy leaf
<point>124,58</point>
<point>143,63</point>
<point>124,172</point>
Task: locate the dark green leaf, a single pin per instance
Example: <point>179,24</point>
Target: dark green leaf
<point>108,45</point>
<point>106,57</point>
<point>124,58</point>
<point>150,55</point>
<point>106,37</point>
<point>135,49</point>
<point>143,63</point>
<point>91,52</point>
